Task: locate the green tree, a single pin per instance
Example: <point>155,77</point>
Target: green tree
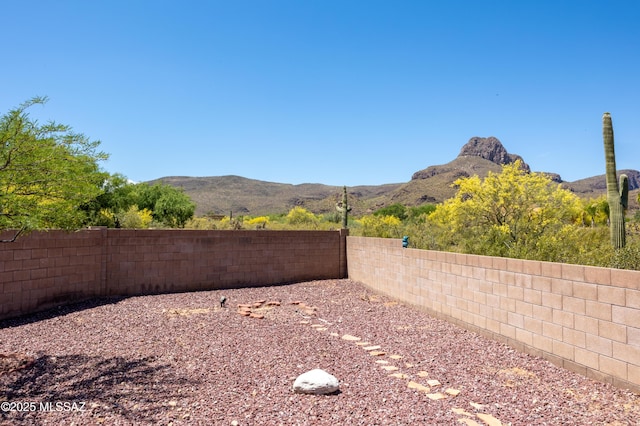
<point>117,196</point>
<point>512,214</point>
<point>47,172</point>
<point>397,210</point>
<point>170,205</point>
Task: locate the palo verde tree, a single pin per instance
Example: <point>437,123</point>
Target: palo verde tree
<point>513,214</point>
<point>47,172</point>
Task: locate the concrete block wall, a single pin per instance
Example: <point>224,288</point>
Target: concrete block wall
<point>585,319</point>
<point>43,270</point>
<point>49,269</point>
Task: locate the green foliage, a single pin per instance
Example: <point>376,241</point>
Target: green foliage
<point>117,196</point>
<point>511,214</point>
<point>170,206</point>
<point>627,257</point>
<point>419,213</point>
<point>47,172</point>
<point>397,210</point>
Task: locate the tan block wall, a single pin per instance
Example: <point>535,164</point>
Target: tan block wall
<point>43,270</point>
<point>583,318</point>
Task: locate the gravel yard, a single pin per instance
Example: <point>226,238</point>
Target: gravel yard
<point>182,359</point>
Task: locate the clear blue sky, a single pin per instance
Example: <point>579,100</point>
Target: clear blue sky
<point>337,92</point>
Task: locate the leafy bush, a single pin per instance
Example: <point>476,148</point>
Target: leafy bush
<point>135,218</point>
<point>627,257</point>
<point>380,226</point>
<point>397,210</point>
<point>301,216</point>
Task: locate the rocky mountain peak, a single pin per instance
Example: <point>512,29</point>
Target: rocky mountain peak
<point>490,149</point>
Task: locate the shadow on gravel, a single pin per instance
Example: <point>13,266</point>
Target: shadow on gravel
<point>60,310</point>
<point>138,390</point>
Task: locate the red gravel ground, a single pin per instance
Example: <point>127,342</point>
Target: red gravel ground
<point>181,359</point>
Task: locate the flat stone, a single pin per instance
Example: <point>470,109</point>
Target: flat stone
<point>273,303</point>
<point>433,383</point>
<point>321,328</point>
<point>408,365</point>
<point>316,382</point>
<point>452,392</point>
<point>372,348</point>
<point>317,325</point>
<point>390,367</point>
<point>489,419</point>
<point>436,396</point>
<point>377,353</point>
<point>334,334</point>
<point>382,361</point>
<point>395,356</point>
<point>423,374</point>
<point>362,343</point>
<point>256,316</point>
<point>417,386</point>
<point>304,322</point>
<point>476,405</point>
<point>350,338</point>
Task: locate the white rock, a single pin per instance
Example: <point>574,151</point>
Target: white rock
<point>316,382</point>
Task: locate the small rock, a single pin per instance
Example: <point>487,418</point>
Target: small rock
<point>316,382</point>
<point>350,338</point>
<point>436,396</point>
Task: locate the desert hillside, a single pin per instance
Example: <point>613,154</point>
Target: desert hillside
<point>242,196</point>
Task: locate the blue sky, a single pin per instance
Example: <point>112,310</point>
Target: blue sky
<point>329,91</point>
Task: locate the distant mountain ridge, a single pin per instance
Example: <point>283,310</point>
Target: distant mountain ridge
<point>479,156</point>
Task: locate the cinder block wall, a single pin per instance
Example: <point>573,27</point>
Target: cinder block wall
<point>43,270</point>
<point>585,319</point>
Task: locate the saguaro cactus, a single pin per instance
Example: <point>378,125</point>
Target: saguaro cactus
<point>344,208</point>
<point>617,196</point>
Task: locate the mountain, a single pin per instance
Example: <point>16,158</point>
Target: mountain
<point>221,195</point>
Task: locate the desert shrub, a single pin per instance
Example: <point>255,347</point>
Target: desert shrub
<point>380,226</point>
<point>259,222</point>
<point>203,223</point>
<point>397,210</point>
<point>627,257</point>
<point>298,216</point>
<point>135,218</point>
